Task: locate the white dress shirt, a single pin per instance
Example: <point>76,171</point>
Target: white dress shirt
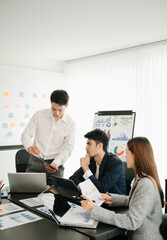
<point>54,139</point>
<point>89,173</point>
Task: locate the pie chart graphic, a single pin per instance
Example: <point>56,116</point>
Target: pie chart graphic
<point>119,150</point>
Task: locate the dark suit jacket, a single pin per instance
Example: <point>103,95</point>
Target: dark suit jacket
<point>111,175</point>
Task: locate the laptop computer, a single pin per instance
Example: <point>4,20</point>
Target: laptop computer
<point>27,182</point>
<point>66,213</point>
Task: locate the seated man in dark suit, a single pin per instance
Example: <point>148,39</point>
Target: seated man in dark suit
<point>104,169</point>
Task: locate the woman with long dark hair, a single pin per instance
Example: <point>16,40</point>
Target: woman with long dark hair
<point>145,200</point>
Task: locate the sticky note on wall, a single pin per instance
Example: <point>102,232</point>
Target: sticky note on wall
<point>11,115</point>
<point>21,94</point>
<point>17,106</point>
<point>12,125</point>
<point>9,134</point>
<point>4,125</point>
<point>7,106</point>
<point>22,124</point>
<point>43,95</point>
<point>34,95</point>
<point>26,115</point>
<point>6,94</point>
<point>27,106</point>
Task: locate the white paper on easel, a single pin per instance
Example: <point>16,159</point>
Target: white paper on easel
<point>89,190</point>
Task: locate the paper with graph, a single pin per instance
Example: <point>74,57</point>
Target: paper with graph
<point>78,215</point>
<point>16,219</point>
<point>89,189</point>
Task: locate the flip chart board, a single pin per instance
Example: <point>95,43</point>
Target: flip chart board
<point>119,126</point>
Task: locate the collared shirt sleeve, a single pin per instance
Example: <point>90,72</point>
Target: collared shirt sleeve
<point>87,174</point>
<point>29,131</point>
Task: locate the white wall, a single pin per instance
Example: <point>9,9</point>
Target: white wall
<point>129,80</point>
<point>26,80</point>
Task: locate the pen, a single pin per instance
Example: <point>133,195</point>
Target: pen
<point>2,186</point>
<point>81,198</point>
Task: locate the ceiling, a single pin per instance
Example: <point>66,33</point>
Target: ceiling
<point>43,34</point>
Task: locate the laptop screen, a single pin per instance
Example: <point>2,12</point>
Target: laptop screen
<point>27,182</point>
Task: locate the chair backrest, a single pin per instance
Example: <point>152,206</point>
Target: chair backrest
<point>165,195</point>
<point>129,175</point>
<point>163,227</point>
<point>21,160</point>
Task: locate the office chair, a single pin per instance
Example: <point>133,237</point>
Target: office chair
<point>165,195</point>
<point>163,227</point>
<point>21,160</point>
<point>129,175</point>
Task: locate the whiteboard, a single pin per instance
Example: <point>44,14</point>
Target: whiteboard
<point>119,127</point>
<point>23,91</point>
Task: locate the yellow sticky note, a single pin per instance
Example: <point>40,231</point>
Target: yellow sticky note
<point>6,94</point>
<point>12,125</point>
<point>43,95</point>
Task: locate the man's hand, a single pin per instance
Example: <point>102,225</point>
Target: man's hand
<point>1,181</point>
<point>50,169</point>
<point>85,161</point>
<point>34,150</point>
<point>54,190</point>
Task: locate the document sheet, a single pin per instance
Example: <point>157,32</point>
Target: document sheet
<point>16,219</point>
<point>32,202</point>
<point>78,215</point>
<point>9,208</point>
<point>89,190</point>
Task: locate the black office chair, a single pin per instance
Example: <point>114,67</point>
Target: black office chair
<point>129,175</point>
<point>165,195</point>
<point>21,160</point>
<point>163,227</point>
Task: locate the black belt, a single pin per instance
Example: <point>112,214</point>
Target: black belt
<point>48,160</point>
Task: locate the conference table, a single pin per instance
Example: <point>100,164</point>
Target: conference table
<point>44,229</point>
<point>48,229</point>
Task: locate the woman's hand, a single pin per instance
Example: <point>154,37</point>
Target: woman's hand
<point>106,198</point>
<point>87,204</point>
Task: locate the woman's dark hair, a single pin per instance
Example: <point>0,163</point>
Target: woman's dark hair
<point>60,97</point>
<point>144,160</point>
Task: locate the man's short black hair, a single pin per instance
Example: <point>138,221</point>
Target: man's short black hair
<point>60,97</point>
<point>98,136</point>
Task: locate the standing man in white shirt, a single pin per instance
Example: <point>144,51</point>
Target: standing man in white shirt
<point>54,135</point>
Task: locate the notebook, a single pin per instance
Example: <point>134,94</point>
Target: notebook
<point>27,182</point>
<point>66,213</point>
